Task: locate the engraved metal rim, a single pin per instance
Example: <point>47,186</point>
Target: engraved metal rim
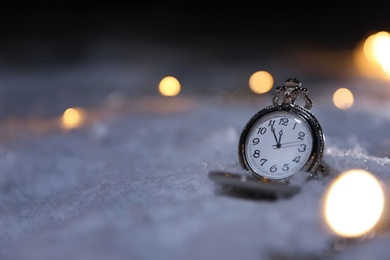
<point>312,164</point>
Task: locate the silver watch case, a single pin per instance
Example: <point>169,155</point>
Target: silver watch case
<point>313,163</point>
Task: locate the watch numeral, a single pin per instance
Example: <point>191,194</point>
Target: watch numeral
<point>297,159</point>
<point>256,154</point>
<point>256,141</point>
<point>262,161</point>
<point>262,130</point>
<point>302,148</point>
<point>294,126</point>
<point>273,168</point>
<point>285,167</point>
<point>271,123</point>
<point>301,135</point>
<point>283,121</point>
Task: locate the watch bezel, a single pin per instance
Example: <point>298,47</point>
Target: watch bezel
<point>312,164</point>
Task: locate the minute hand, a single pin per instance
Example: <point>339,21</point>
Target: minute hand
<point>280,137</point>
<point>288,144</point>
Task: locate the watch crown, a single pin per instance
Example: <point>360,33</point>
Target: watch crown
<point>290,92</point>
<point>292,82</point>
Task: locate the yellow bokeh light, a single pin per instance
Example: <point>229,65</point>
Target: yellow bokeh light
<point>368,48</point>
<point>372,57</point>
<point>381,46</point>
<point>73,117</point>
<point>261,82</point>
<point>365,62</point>
<point>343,98</point>
<point>353,203</point>
<point>169,86</point>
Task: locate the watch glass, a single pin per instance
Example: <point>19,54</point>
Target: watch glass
<point>278,144</point>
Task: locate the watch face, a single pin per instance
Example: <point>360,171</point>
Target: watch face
<point>277,144</point>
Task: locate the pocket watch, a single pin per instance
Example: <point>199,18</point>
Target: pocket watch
<point>283,139</point>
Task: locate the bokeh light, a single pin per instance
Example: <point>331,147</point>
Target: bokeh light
<point>372,56</point>
<point>368,48</point>
<point>169,86</point>
<point>343,98</point>
<point>353,203</point>
<point>261,82</point>
<point>377,48</point>
<point>73,117</point>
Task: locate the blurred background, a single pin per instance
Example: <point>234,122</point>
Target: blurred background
<point>59,55</point>
<point>143,178</point>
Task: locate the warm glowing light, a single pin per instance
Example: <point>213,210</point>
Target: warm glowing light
<point>261,82</point>
<point>354,203</point>
<point>365,62</point>
<point>378,44</point>
<point>381,50</point>
<point>368,48</point>
<point>169,86</point>
<point>343,98</point>
<point>73,117</point>
<point>372,57</point>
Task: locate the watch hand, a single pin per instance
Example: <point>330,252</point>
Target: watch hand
<point>280,136</point>
<point>276,139</point>
<point>293,142</point>
<point>286,146</point>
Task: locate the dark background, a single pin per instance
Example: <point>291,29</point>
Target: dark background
<point>57,55</point>
<point>64,31</point>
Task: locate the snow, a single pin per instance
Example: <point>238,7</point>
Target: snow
<point>132,182</point>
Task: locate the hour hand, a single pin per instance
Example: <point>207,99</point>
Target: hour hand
<point>276,139</point>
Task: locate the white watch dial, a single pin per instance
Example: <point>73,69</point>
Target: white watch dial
<point>278,145</point>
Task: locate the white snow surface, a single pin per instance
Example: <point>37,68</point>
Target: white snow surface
<point>132,182</point>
